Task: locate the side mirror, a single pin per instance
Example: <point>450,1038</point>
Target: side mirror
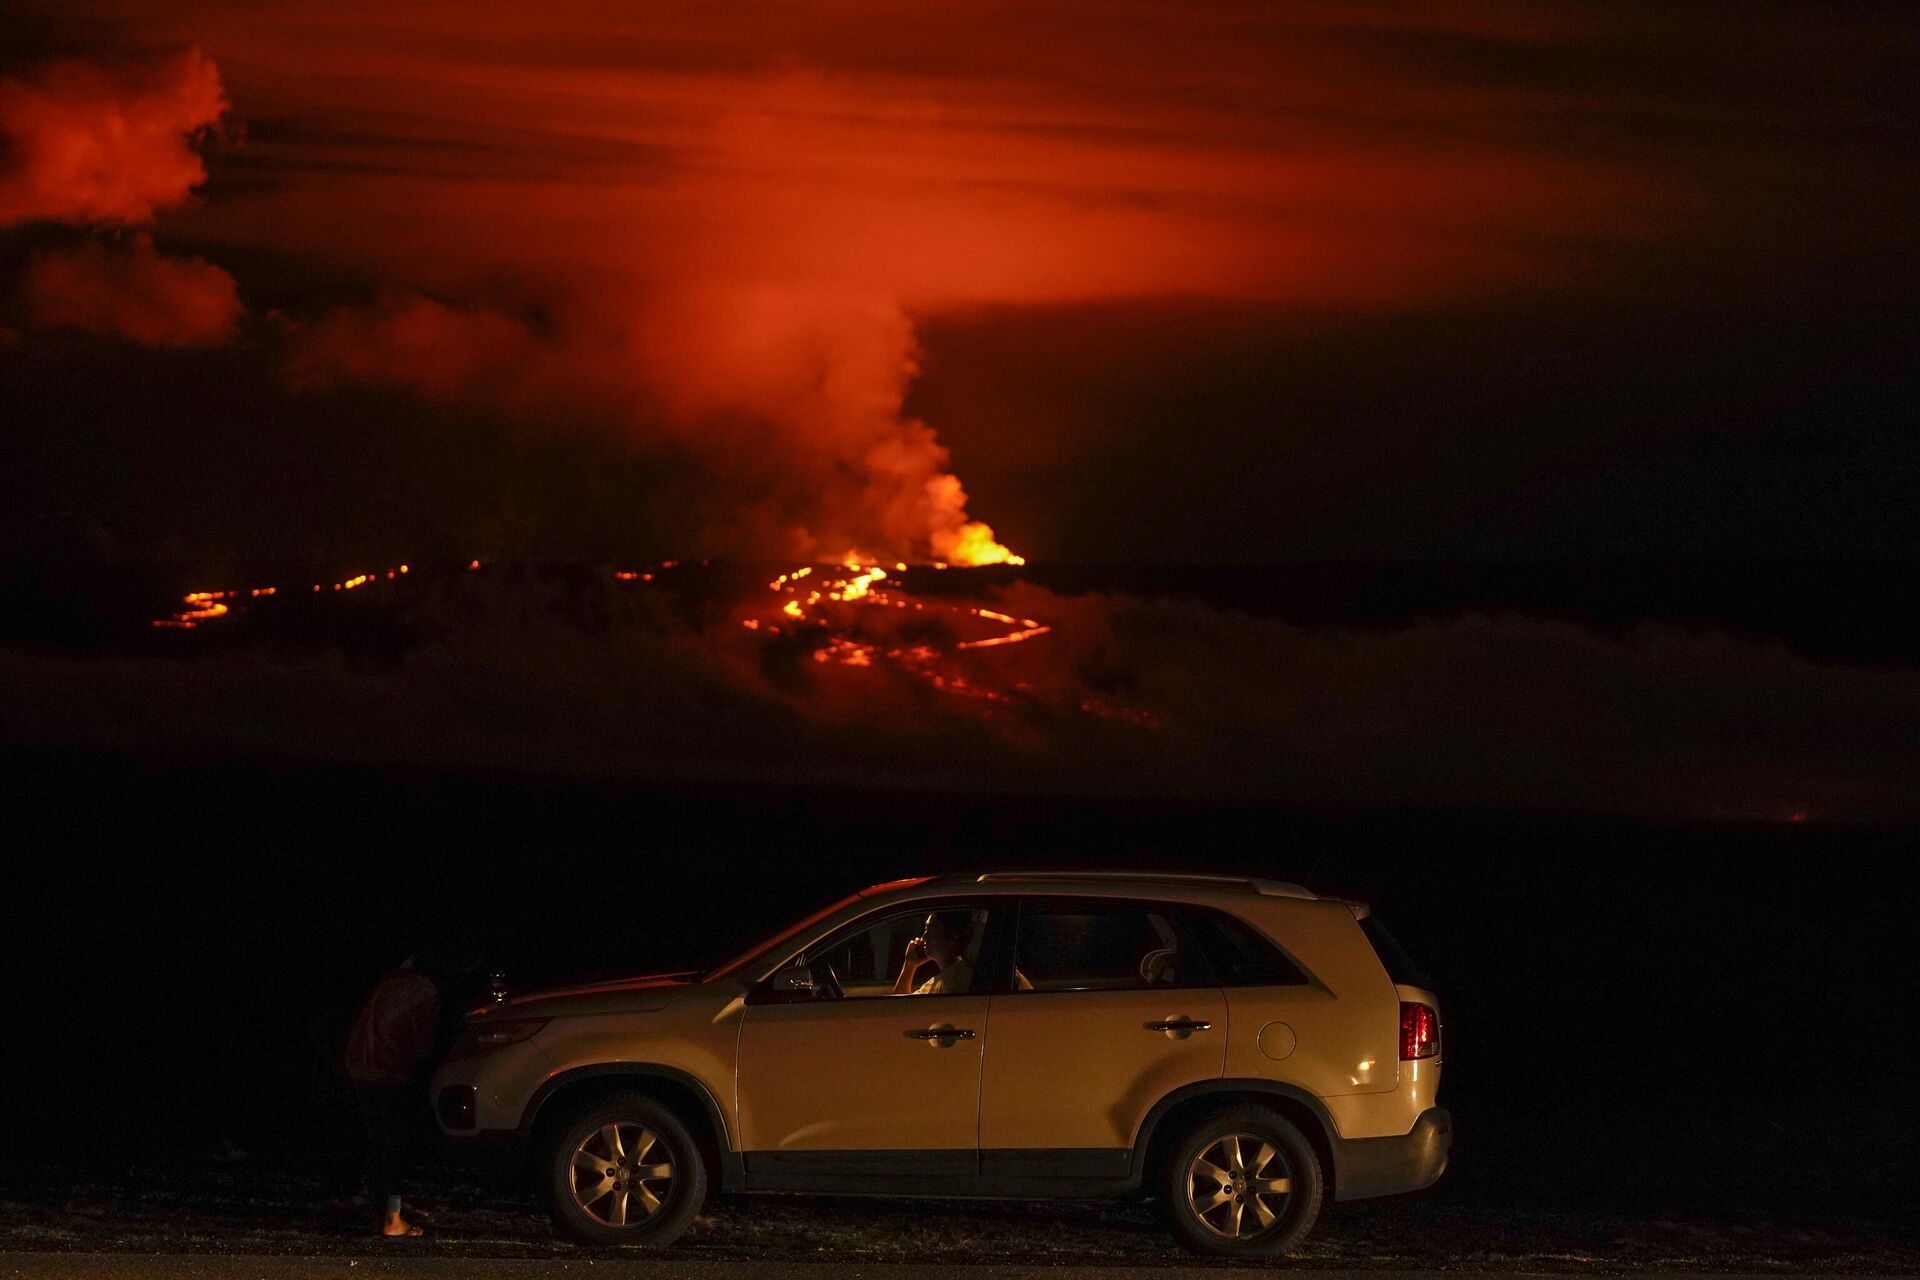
<point>795,982</point>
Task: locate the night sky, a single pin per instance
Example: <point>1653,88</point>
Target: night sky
<point>1171,282</point>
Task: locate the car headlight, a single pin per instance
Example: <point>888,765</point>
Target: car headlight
<point>495,1035</point>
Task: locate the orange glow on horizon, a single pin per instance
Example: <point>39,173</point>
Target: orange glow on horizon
<point>837,605</point>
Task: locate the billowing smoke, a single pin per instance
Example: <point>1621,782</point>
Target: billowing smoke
<point>791,401</point>
<point>827,372</point>
<point>104,143</point>
<point>107,145</point>
<point>130,291</point>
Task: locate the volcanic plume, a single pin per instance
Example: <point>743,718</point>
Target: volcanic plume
<point>790,401</point>
<point>104,142</point>
<point>785,392</point>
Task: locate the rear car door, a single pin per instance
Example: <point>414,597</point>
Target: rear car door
<point>1110,1010</point>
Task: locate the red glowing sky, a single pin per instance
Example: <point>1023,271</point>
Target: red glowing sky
<point>724,230</point>
<point>969,154</point>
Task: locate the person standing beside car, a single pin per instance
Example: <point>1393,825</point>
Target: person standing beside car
<point>390,1039</point>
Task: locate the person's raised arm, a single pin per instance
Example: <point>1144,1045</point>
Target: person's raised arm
<point>910,967</point>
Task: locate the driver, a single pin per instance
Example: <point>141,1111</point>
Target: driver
<point>943,944</point>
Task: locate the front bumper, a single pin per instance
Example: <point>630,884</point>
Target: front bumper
<point>1367,1168</point>
<point>475,1094</point>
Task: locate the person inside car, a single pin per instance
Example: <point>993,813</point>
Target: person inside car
<point>943,944</point>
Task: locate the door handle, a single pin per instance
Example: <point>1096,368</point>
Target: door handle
<point>942,1033</point>
<point>1181,1024</point>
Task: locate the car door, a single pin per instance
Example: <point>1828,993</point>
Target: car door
<point>858,1081</point>
<point>1108,1012</point>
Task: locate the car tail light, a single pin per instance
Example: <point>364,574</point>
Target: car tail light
<point>505,1033</point>
<point>1419,1031</point>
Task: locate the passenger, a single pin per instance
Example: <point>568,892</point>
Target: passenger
<point>942,943</point>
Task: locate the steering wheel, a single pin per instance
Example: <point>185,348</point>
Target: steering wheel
<point>828,980</point>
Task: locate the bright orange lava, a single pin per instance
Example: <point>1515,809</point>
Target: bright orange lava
<point>814,600</point>
<point>204,606</point>
<point>824,606</point>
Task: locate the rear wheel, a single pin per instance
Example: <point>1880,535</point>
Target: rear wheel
<point>626,1172</point>
<point>1245,1183</point>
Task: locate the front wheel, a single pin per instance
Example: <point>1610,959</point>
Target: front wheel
<point>1243,1184</point>
<point>626,1172</point>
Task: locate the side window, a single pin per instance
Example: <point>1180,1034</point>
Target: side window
<point>1240,955</point>
<point>1099,946</point>
<point>914,951</point>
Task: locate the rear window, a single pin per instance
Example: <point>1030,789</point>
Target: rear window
<point>1400,966</point>
<point>1241,956</point>
<point>1099,946</point>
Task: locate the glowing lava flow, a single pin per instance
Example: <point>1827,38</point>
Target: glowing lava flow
<point>847,615</point>
<point>810,600</point>
<point>815,601</point>
<point>204,606</point>
<point>1027,630</point>
<point>853,582</point>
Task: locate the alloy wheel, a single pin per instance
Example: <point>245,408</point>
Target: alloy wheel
<point>1237,1186</point>
<point>621,1174</point>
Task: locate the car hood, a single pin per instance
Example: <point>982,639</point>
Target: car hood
<point>640,994</point>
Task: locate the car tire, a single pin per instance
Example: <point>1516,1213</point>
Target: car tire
<point>626,1172</point>
<point>1243,1183</point>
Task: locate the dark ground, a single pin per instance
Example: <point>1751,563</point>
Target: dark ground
<point>1667,1047</point>
<point>243,1210</point>
<point>55,1266</point>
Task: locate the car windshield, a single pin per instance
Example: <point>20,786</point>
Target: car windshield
<point>754,953</point>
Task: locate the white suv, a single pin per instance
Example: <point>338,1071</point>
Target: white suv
<point>1235,1048</point>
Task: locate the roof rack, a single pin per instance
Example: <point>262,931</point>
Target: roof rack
<point>1250,884</point>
